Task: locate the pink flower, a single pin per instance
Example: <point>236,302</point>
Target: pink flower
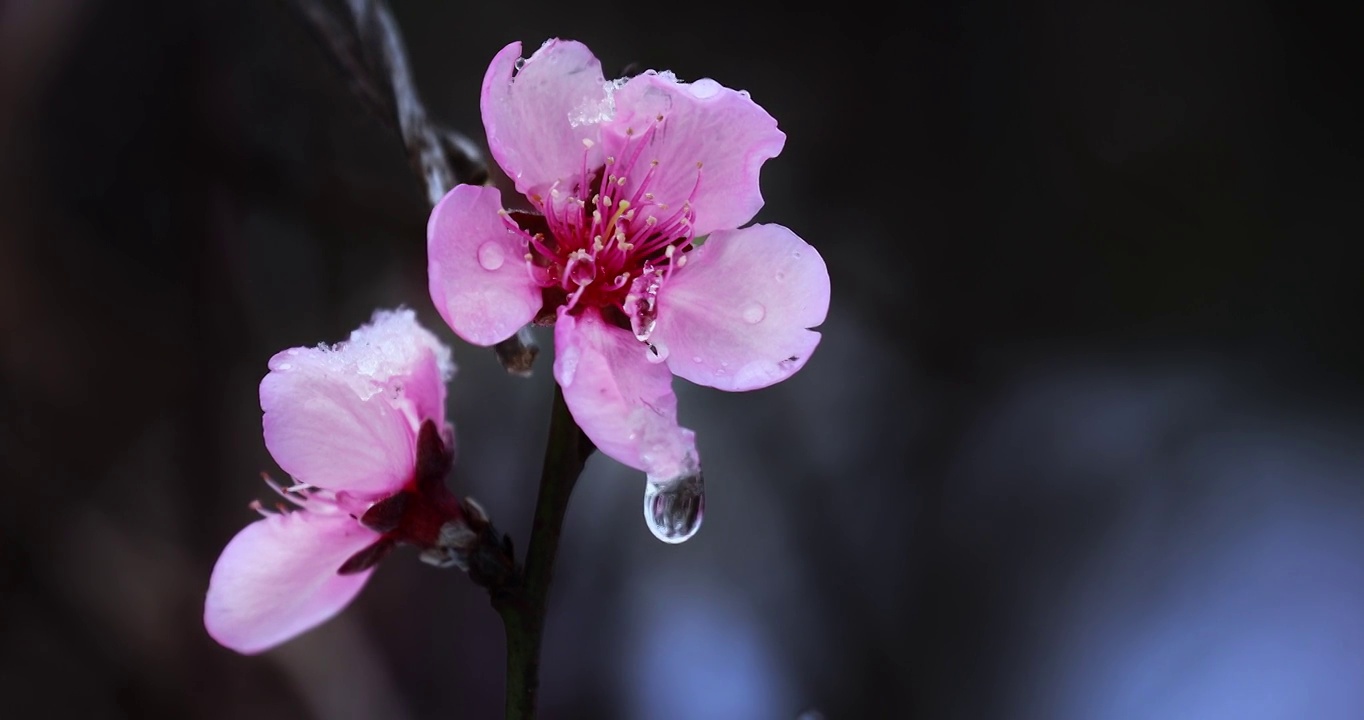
<point>359,427</point>
<point>633,249</point>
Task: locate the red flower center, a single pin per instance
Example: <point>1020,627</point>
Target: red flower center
<point>605,241</point>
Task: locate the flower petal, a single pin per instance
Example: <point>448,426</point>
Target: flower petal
<point>704,123</point>
<point>278,578</point>
<point>337,418</point>
<point>735,316</point>
<point>477,272</point>
<point>537,119</point>
<point>393,351</point>
<point>624,403</point>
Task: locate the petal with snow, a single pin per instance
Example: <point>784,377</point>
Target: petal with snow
<point>623,403</point>
<point>478,277</point>
<point>278,578</point>
<point>331,428</point>
<point>538,116</point>
<point>393,351</point>
<point>703,123</point>
<point>735,316</point>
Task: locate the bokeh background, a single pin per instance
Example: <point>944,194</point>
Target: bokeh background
<point>1083,439</point>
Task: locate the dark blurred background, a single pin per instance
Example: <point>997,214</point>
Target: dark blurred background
<point>1082,440</point>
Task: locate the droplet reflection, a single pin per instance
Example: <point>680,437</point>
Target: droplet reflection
<point>673,508</point>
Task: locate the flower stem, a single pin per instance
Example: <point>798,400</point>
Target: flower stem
<point>522,606</point>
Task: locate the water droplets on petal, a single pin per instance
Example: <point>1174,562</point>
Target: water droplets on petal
<point>491,256</point>
<point>754,313</point>
<point>673,508</point>
<point>568,365</point>
<point>642,303</point>
<point>656,353</point>
<point>582,269</point>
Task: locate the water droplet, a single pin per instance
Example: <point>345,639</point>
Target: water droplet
<point>285,366</point>
<point>643,326</point>
<point>781,276</point>
<point>520,63</point>
<point>491,256</point>
<point>696,358</point>
<point>657,352</point>
<point>754,313</point>
<point>582,269</point>
<point>642,303</point>
<point>566,366</point>
<point>673,508</point>
<point>795,254</point>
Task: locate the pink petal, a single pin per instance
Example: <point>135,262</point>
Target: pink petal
<point>624,403</point>
<point>478,277</point>
<point>735,316</point>
<point>703,122</point>
<point>329,426</point>
<point>277,578</point>
<point>393,351</point>
<point>537,120</point>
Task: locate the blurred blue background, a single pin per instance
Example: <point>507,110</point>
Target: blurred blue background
<point>1083,439</point>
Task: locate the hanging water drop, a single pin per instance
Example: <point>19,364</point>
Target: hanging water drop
<point>491,256</point>
<point>673,508</point>
<point>657,352</point>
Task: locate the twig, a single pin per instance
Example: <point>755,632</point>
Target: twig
<point>367,47</point>
<point>522,606</point>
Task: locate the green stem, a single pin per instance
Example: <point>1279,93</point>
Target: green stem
<point>522,606</point>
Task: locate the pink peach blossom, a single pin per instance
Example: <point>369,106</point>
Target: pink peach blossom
<point>352,424</point>
<point>633,248</point>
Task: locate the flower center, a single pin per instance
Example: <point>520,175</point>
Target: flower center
<point>602,240</point>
